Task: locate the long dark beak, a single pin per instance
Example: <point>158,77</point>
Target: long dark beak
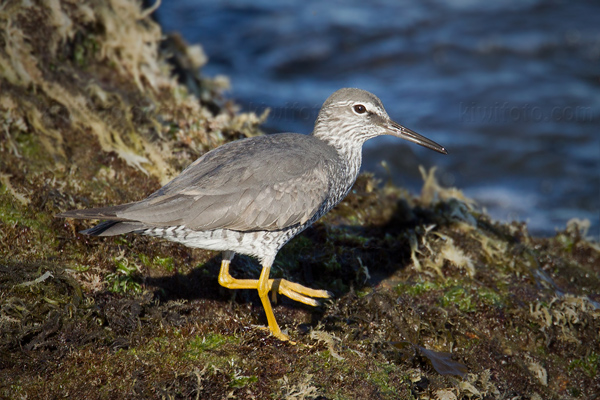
<point>395,129</point>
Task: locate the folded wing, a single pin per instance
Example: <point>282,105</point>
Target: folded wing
<point>264,183</point>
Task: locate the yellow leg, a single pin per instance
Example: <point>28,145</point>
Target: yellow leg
<point>228,281</point>
<point>263,293</point>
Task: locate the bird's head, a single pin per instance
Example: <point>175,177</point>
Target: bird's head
<point>356,115</point>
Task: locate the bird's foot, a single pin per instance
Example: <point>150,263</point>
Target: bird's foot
<point>277,333</point>
<point>297,292</point>
<point>294,291</point>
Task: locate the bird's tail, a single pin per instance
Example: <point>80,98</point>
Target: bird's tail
<point>112,228</point>
<point>109,213</point>
<point>114,224</point>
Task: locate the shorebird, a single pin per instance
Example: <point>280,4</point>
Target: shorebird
<point>253,195</point>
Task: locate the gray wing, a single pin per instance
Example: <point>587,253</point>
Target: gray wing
<point>262,183</point>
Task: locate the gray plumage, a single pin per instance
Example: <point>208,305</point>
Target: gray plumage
<point>253,195</point>
<point>263,183</point>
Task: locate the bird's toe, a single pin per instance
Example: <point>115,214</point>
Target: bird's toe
<point>301,293</point>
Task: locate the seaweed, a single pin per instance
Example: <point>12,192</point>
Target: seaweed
<point>92,113</point>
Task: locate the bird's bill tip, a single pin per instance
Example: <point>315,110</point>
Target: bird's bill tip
<point>400,131</point>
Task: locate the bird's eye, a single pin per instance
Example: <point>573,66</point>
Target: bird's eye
<point>360,109</point>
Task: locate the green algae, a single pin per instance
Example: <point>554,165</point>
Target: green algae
<point>588,364</point>
<point>417,288</point>
<point>123,279</point>
<point>211,341</point>
<point>165,262</point>
<point>460,297</point>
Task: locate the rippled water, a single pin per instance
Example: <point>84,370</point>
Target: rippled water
<point>511,88</point>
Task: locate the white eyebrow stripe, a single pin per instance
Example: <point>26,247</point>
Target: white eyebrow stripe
<point>367,104</point>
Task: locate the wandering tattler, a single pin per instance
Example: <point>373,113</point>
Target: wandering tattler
<point>253,195</point>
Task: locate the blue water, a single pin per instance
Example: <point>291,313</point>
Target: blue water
<point>511,88</point>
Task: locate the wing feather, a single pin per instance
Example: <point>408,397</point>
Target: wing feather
<point>263,183</point>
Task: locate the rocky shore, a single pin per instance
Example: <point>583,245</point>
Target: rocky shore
<point>433,300</point>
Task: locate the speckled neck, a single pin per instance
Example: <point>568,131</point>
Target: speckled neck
<point>342,136</point>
